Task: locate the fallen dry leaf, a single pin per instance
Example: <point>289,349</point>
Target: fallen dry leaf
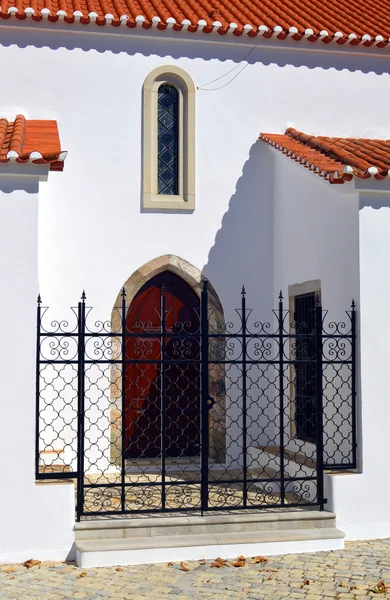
<point>271,570</point>
<point>379,588</point>
<point>240,562</point>
<point>170,564</point>
<point>31,563</point>
<point>344,584</point>
<point>119,569</point>
<point>202,561</point>
<point>82,574</point>
<point>12,577</point>
<point>219,562</point>
<point>183,566</point>
<point>259,560</point>
<point>305,582</point>
<point>208,581</point>
<point>270,577</point>
<point>10,570</point>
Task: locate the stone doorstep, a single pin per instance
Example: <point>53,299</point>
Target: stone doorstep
<point>226,524</point>
<point>176,541</point>
<point>133,551</point>
<point>295,457</point>
<point>205,520</point>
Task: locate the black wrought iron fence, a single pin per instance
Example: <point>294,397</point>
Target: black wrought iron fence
<point>184,412</point>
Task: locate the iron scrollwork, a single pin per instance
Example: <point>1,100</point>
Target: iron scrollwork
<point>121,410</point>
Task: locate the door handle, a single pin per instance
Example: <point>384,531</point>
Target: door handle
<point>210,403</point>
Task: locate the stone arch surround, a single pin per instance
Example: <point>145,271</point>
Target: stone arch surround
<point>194,277</point>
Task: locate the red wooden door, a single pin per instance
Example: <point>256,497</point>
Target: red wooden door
<point>174,384</point>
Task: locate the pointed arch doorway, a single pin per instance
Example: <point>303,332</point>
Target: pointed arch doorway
<point>162,375</point>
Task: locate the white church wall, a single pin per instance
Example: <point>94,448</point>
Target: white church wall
<point>35,520</point>
<point>318,232</point>
<point>360,501</point>
<point>92,232</point>
<point>316,237</point>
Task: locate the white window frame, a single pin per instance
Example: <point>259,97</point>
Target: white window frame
<point>151,199</point>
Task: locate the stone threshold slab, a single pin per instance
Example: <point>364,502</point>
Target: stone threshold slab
<point>122,544</point>
<point>270,517</point>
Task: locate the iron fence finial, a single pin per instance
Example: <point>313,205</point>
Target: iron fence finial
<point>123,292</point>
<point>243,292</point>
<point>353,304</point>
<point>280,296</point>
<point>83,296</point>
<point>39,299</point>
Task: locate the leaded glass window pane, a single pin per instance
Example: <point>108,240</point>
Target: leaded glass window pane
<point>168,140</point>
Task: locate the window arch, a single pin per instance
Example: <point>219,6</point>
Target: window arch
<point>168,140</point>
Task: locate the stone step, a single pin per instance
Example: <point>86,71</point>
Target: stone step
<point>152,549</point>
<point>296,464</point>
<point>209,524</point>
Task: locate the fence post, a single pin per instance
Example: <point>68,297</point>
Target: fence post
<point>244,397</point>
<point>319,404</point>
<point>163,399</point>
<point>281,397</point>
<point>204,339</point>
<point>123,402</point>
<point>353,383</point>
<point>37,387</point>
<point>80,407</point>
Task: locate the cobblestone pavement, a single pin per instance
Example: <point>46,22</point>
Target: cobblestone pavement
<point>360,571</point>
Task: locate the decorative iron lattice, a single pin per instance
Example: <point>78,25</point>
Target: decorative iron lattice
<point>195,414</point>
<point>168,140</point>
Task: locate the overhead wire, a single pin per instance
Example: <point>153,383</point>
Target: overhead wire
<point>203,86</point>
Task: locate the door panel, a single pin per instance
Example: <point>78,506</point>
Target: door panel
<point>167,375</point>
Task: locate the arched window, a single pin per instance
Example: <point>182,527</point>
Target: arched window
<point>168,140</point>
<point>168,180</point>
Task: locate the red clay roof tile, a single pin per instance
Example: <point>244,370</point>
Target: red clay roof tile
<point>334,158</point>
<point>352,21</point>
<point>31,141</point>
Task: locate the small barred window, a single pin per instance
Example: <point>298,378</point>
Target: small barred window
<point>168,159</point>
<point>168,140</point>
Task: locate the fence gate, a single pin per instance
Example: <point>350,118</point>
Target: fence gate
<point>168,408</point>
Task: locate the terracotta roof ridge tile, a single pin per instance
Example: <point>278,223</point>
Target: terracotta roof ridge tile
<point>3,131</point>
<point>325,147</point>
<point>33,141</point>
<point>365,22</point>
<point>18,135</point>
<point>334,158</point>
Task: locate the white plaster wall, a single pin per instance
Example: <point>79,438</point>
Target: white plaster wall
<point>92,233</point>
<point>361,501</point>
<point>316,236</point>
<point>320,233</point>
<point>34,520</point>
